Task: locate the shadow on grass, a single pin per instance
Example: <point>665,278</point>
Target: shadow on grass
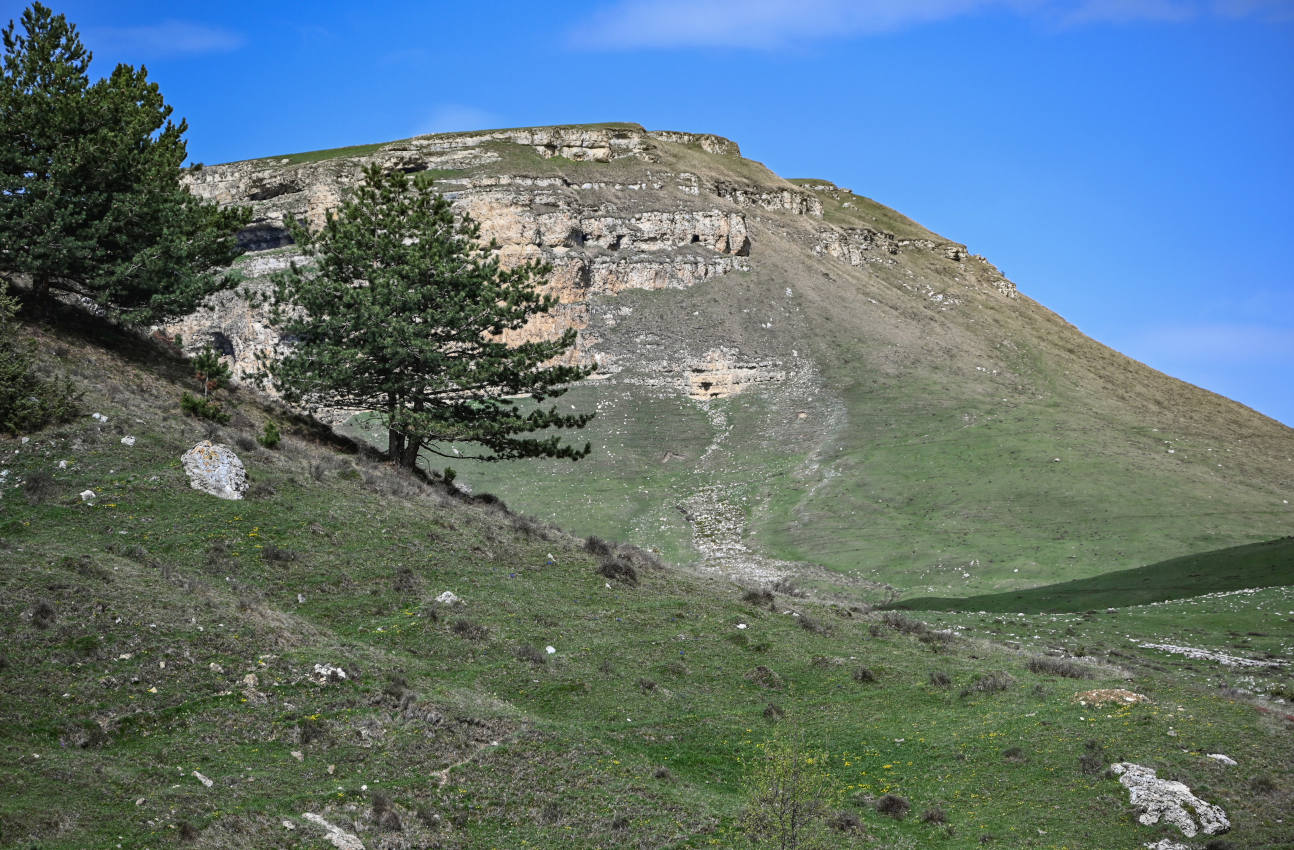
<point>1254,565</point>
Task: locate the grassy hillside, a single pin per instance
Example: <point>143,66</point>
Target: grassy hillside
<point>159,647</point>
<point>1269,564</point>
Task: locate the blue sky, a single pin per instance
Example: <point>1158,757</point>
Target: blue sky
<point>1128,163</point>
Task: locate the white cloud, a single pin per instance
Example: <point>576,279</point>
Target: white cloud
<point>771,24</point>
<point>168,38</point>
<point>455,117</point>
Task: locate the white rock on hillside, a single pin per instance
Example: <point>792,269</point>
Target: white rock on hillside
<point>338,837</point>
<point>1162,799</point>
<point>214,468</point>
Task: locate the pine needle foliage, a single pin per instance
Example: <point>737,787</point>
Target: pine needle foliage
<point>91,198</point>
<point>401,311</point>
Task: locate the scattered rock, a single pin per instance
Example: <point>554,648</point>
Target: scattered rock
<point>1167,844</point>
<point>550,649</point>
<point>100,418</point>
<point>326,673</point>
<point>449,598</point>
<point>336,836</point>
<point>87,496</point>
<point>1106,696</point>
<point>128,441</point>
<point>204,780</point>
<point>1163,799</point>
<point>214,468</point>
<point>1227,760</point>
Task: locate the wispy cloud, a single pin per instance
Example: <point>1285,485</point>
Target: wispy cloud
<point>770,24</point>
<point>168,38</point>
<point>455,117</point>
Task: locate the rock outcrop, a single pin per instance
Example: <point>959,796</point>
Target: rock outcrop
<point>1171,802</point>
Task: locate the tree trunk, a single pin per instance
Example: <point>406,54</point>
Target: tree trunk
<point>40,294</point>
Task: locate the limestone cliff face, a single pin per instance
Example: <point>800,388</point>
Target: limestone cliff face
<point>614,209</point>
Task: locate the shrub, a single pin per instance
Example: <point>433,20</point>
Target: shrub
<point>762,597</point>
<point>597,546</point>
<point>620,570</point>
<point>934,814</point>
<point>43,615</point>
<point>847,822</point>
<point>270,552</point>
<point>788,794</point>
<point>773,711</point>
<point>646,685</point>
<point>1092,761</point>
<point>39,487</point>
<point>863,675</point>
<point>203,408</point>
<point>903,624</point>
<point>27,402</point>
<point>766,677</point>
<point>469,630</point>
<point>809,624</point>
<point>1014,754</point>
<point>662,773</point>
<point>991,683</point>
<point>270,436</point>
<point>939,679</point>
<point>1047,666</point>
<point>892,805</point>
<point>1262,784</point>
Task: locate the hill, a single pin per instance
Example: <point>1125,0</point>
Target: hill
<point>796,382</point>
<point>178,670</point>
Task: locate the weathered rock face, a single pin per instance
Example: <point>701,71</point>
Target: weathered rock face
<point>625,210</point>
<point>1171,802</point>
<point>214,468</point>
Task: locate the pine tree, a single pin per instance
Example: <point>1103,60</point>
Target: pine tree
<point>401,313</point>
<point>91,200</point>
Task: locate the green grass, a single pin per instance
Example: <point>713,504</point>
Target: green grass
<point>164,602</point>
<point>330,153</point>
<point>1256,565</point>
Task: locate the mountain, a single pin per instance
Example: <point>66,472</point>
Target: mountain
<point>796,383</point>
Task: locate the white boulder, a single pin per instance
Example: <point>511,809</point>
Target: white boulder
<point>448,598</point>
<point>1172,802</point>
<point>214,468</point>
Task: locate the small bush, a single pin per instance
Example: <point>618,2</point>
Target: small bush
<point>1092,761</point>
<point>765,677</point>
<point>773,711</point>
<point>812,626</point>
<point>39,487</point>
<point>270,552</point>
<point>27,402</point>
<point>934,814</point>
<point>245,443</point>
<point>903,624</point>
<point>939,679</point>
<point>597,546</point>
<point>762,597</point>
<point>892,805</point>
<point>646,685</point>
<point>662,773</point>
<point>991,683</point>
<point>270,436</point>
<point>847,822</point>
<point>203,408</point>
<point>619,570</point>
<point>43,615</point>
<point>469,630</point>
<point>1014,755</point>
<point>188,832</point>
<point>1047,666</point>
<point>787,587</point>
<point>1262,784</point>
<point>863,675</point>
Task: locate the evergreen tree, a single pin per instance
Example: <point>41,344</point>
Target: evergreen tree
<point>401,313</point>
<point>91,201</point>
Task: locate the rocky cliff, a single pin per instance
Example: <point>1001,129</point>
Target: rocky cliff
<point>793,378</point>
